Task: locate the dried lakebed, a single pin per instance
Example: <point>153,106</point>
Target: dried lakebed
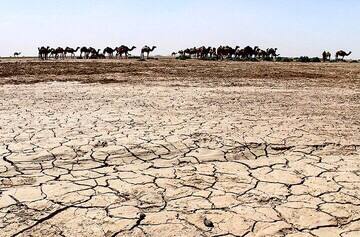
<point>125,159</point>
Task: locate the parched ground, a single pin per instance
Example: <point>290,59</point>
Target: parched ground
<point>173,148</point>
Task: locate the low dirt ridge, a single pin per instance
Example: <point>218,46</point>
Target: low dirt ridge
<point>156,156</point>
<point>225,72</point>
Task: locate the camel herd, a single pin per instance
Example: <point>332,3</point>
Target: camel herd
<point>228,52</point>
<point>219,53</point>
<point>90,52</point>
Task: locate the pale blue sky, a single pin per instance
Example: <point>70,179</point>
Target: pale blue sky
<point>296,27</point>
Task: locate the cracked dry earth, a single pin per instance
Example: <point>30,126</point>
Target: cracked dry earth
<point>274,157</point>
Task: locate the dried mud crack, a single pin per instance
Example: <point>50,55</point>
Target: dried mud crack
<point>165,158</point>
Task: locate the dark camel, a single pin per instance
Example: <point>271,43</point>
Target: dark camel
<point>240,53</point>
<point>212,52</point>
<point>44,52</point>
<point>146,49</point>
<point>17,54</point>
<point>203,52</point>
<point>59,53</point>
<point>326,56</point>
<point>93,51</point>
<point>109,51</point>
<point>272,52</point>
<point>342,54</point>
<point>84,50</point>
<point>226,51</point>
<point>124,50</point>
<point>71,51</point>
<point>96,54</point>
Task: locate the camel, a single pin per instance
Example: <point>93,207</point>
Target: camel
<point>342,54</point>
<point>249,52</point>
<point>206,52</point>
<point>147,49</point>
<point>96,54</point>
<point>226,51</point>
<point>52,52</point>
<point>326,56</point>
<point>59,53</point>
<point>84,50</point>
<point>109,51</point>
<point>173,54</point>
<point>189,51</point>
<point>92,51</point>
<point>220,51</point>
<point>71,51</point>
<point>262,54</point>
<point>272,52</point>
<point>256,51</point>
<point>240,53</point>
<point>232,51</point>
<point>202,52</point>
<point>124,50</point>
<point>212,52</point>
<point>44,52</point>
<point>17,54</point>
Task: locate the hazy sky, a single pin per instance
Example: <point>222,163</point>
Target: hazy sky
<point>296,27</point>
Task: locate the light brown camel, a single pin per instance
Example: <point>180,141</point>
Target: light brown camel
<point>342,54</point>
<point>146,49</point>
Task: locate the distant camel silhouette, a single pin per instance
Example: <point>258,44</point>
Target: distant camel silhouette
<point>71,51</point>
<point>342,54</point>
<point>96,54</point>
<point>326,56</point>
<point>249,52</point>
<point>146,49</point>
<point>272,52</point>
<point>123,49</point>
<point>44,52</point>
<point>59,53</point>
<point>84,50</point>
<point>17,54</point>
<point>52,52</point>
<point>109,51</point>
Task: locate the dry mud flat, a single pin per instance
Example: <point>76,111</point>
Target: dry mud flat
<point>169,148</point>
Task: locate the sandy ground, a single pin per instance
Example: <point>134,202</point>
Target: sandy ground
<point>167,148</point>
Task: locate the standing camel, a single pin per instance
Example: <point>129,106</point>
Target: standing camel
<point>124,50</point>
<point>44,52</point>
<point>326,56</point>
<point>109,51</point>
<point>84,50</point>
<point>272,52</point>
<point>17,54</point>
<point>71,51</point>
<point>146,49</point>
<point>342,54</point>
<point>59,53</point>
